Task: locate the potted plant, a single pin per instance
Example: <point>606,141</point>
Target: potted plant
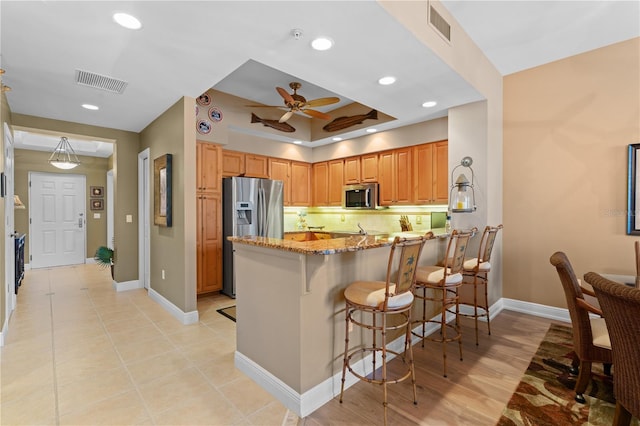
<point>104,257</point>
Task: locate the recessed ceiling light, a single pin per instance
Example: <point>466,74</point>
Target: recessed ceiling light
<point>297,142</point>
<point>372,130</point>
<point>429,104</point>
<point>385,81</point>
<point>127,21</point>
<point>322,43</point>
<point>91,107</point>
<point>336,139</point>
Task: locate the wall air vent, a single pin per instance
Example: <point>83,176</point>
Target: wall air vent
<point>439,23</point>
<point>102,82</point>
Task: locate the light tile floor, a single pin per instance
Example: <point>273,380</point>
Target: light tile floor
<point>79,353</point>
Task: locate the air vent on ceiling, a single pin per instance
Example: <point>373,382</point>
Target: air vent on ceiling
<point>102,82</point>
<point>439,23</point>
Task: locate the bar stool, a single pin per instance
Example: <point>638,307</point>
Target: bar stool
<point>476,275</point>
<point>443,283</point>
<point>389,301</point>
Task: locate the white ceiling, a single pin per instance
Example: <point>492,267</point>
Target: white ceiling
<point>247,48</point>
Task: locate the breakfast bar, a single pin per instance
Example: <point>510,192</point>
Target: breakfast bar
<point>290,310</point>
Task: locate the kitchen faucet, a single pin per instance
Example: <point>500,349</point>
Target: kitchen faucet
<point>362,231</point>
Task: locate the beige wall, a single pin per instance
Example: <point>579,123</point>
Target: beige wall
<point>173,248</point>
<point>5,117</point>
<point>567,125</point>
<point>125,177</point>
<point>93,168</point>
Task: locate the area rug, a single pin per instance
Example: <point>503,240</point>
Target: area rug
<point>545,394</point>
<point>229,312</point>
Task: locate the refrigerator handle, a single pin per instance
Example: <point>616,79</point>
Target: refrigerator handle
<point>262,217</point>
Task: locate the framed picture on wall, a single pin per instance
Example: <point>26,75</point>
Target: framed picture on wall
<point>97,204</point>
<point>97,191</point>
<point>633,192</point>
<point>162,190</point>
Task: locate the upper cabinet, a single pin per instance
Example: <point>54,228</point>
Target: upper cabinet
<point>336,182</point>
<point>430,173</point>
<point>394,177</point>
<point>351,170</point>
<point>208,164</point>
<point>300,184</point>
<point>328,180</point>
<point>236,163</point>
<point>361,169</point>
<point>280,169</point>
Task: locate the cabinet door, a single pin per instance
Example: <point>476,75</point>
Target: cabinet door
<point>441,172</point>
<point>386,179</point>
<point>300,184</point>
<point>422,173</point>
<point>210,245</point>
<point>321,184</point>
<point>403,186</point>
<point>232,163</point>
<point>208,166</point>
<point>369,168</point>
<point>256,166</point>
<point>336,182</point>
<point>352,170</point>
<point>280,170</point>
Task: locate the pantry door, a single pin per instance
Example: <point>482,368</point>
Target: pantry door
<point>57,235</point>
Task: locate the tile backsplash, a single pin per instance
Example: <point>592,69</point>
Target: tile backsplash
<point>384,220</point>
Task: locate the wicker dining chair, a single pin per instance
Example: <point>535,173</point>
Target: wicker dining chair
<point>389,304</point>
<point>590,338</point>
<point>621,308</point>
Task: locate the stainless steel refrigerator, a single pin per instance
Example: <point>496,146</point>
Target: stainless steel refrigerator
<point>250,206</point>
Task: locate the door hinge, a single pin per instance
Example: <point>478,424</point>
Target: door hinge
<point>30,257</point>
<point>29,184</point>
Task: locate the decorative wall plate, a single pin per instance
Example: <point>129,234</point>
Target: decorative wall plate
<point>204,99</point>
<point>215,114</point>
<point>204,127</point>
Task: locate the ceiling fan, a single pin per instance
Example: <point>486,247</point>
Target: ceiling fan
<point>298,103</point>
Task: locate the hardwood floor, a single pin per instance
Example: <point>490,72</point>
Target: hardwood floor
<point>474,393</point>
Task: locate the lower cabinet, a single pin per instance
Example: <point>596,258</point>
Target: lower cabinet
<point>209,243</point>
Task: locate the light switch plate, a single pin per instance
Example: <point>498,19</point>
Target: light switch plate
<point>129,218</point>
<point>96,215</point>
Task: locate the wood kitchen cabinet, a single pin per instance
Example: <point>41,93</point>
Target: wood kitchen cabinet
<point>208,243</point>
<point>236,163</point>
<point>336,182</point>
<point>394,177</point>
<point>352,170</point>
<point>280,169</point>
<point>232,163</point>
<point>369,168</point>
<point>430,173</point>
<point>321,183</point>
<point>208,217</point>
<point>208,162</point>
<point>300,184</point>
<point>256,166</point>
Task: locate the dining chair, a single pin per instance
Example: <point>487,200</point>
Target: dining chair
<point>637,247</point>
<point>621,308</point>
<point>389,304</point>
<point>590,338</point>
<point>475,283</point>
<point>439,284</point>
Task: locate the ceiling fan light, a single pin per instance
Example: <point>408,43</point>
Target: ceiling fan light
<point>322,43</point>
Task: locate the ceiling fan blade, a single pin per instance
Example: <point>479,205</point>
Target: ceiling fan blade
<point>317,114</point>
<point>286,96</point>
<point>285,117</point>
<point>323,101</point>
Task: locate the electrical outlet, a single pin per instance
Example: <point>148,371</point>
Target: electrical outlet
<point>163,274</point>
<point>341,218</point>
<point>419,220</point>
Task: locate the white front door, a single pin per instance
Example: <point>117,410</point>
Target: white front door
<point>57,234</point>
<point>9,244</point>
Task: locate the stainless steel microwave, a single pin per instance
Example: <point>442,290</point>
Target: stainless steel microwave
<point>364,196</point>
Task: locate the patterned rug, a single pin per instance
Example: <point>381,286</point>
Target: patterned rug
<point>545,394</point>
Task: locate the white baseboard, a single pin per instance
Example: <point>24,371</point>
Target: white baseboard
<point>558,314</point>
<point>127,285</point>
<point>185,318</point>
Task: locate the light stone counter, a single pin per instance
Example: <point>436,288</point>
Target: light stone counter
<point>290,311</point>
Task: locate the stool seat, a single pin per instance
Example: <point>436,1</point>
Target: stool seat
<point>435,275</point>
<point>470,265</point>
<point>372,293</point>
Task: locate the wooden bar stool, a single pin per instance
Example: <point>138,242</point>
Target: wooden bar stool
<point>476,278</point>
<point>389,302</point>
<point>443,283</point>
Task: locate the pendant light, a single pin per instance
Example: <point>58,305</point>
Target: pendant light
<point>462,198</point>
<point>64,157</point>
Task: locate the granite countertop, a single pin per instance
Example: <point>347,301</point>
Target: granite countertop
<point>317,247</point>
